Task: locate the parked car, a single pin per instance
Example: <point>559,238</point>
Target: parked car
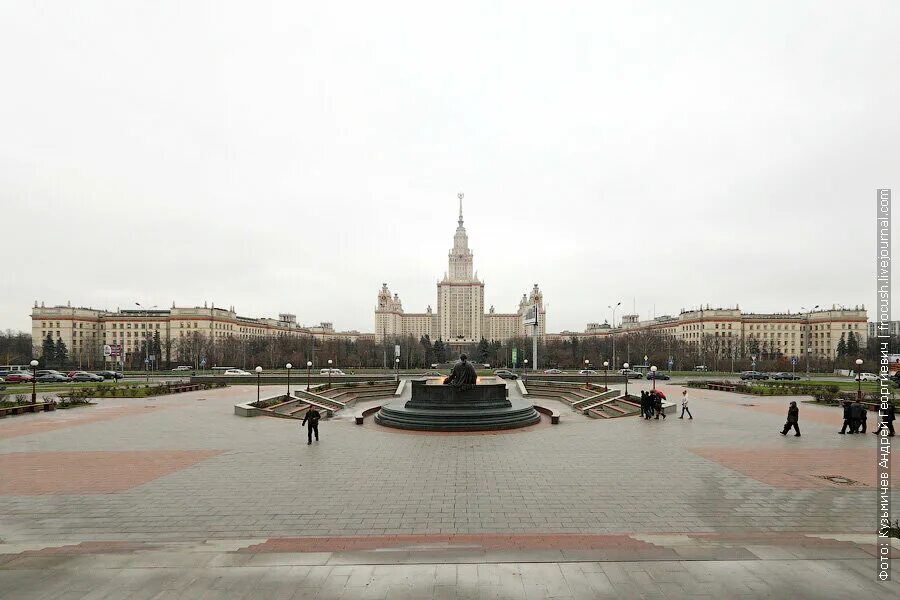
<point>554,372</point>
<point>588,372</point>
<point>867,377</point>
<point>19,377</point>
<point>658,375</point>
<point>504,374</point>
<point>332,371</point>
<point>52,377</point>
<point>110,375</point>
<point>701,368</point>
<point>785,375</point>
<point>631,374</point>
<point>748,375</point>
<point>183,368</point>
<point>236,373</point>
<point>85,376</point>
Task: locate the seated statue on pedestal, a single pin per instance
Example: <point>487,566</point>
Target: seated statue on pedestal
<point>463,375</point>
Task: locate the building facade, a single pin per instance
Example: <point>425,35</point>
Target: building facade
<point>727,331</point>
<point>460,317</point>
<point>85,331</point>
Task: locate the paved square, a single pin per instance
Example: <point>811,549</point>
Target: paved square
<point>178,495</point>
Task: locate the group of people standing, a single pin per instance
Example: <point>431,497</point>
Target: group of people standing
<point>651,404</point>
<point>855,414</point>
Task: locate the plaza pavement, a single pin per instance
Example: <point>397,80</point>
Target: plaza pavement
<point>177,497</point>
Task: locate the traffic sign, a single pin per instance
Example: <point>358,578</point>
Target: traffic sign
<point>107,350</point>
<point>397,350</point>
<point>793,360</point>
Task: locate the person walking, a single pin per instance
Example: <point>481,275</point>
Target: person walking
<point>793,420</point>
<point>887,421</point>
<point>847,419</point>
<point>862,417</point>
<point>684,406</point>
<point>311,420</point>
<point>643,404</point>
<point>647,404</point>
<point>657,405</point>
<point>855,416</point>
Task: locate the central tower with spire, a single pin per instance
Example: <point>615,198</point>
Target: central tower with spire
<point>460,257</point>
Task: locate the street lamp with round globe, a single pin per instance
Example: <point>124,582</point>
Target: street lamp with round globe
<point>587,376</point>
<point>605,376</point>
<point>625,366</point>
<point>525,371</point>
<point>34,365</point>
<point>859,363</point>
<point>329,373</point>
<point>258,372</point>
<point>653,370</point>
<point>397,369</point>
<point>289,366</point>
<point>308,367</point>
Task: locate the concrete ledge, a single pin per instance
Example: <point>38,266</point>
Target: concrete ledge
<point>400,387</point>
<point>550,412</point>
<point>360,417</point>
<point>522,387</point>
<point>246,409</point>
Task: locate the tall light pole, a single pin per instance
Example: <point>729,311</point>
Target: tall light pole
<point>625,366</point>
<point>146,345</point>
<point>308,367</point>
<point>613,326</point>
<point>859,395</point>
<point>525,371</point>
<point>653,370</point>
<point>258,371</point>
<point>289,366</point>
<point>329,373</point>
<point>397,369</point>
<point>34,365</point>
<point>808,346</point>
<point>605,376</point>
<point>587,381</point>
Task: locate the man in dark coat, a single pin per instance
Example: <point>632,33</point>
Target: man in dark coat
<point>644,404</point>
<point>793,420</point>
<point>463,375</point>
<point>855,416</point>
<point>862,417</point>
<point>657,404</point>
<point>887,420</point>
<point>847,419</point>
<point>311,420</point>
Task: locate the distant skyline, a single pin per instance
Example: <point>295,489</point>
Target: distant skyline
<point>290,158</point>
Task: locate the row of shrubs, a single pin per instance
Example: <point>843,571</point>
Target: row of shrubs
<point>828,394</point>
<point>60,402</point>
<point>130,392</point>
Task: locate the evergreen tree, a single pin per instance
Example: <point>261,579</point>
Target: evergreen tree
<point>482,351</point>
<point>60,353</point>
<point>852,344</point>
<point>156,347</point>
<point>842,346</point>
<point>48,350</point>
<point>440,353</point>
<point>425,342</point>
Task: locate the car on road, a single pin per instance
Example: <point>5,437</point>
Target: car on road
<point>867,377</point>
<point>631,374</point>
<point>85,376</point>
<point>331,371</point>
<point>110,375</point>
<point>504,374</point>
<point>658,375</point>
<point>588,372</point>
<point>236,373</point>
<point>750,375</point>
<point>785,375</point>
<point>701,368</point>
<point>51,377</point>
<point>183,368</point>
<point>554,372</point>
<point>19,377</point>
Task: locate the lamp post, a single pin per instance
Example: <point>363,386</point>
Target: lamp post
<point>397,369</point>
<point>329,373</point>
<point>613,326</point>
<point>808,345</point>
<point>258,371</point>
<point>525,371</point>
<point>587,380</point>
<point>859,363</point>
<point>625,366</point>
<point>653,370</point>
<point>34,365</point>
<point>289,366</point>
<point>308,367</point>
<point>605,376</point>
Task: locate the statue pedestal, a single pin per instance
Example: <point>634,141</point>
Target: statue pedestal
<point>481,407</point>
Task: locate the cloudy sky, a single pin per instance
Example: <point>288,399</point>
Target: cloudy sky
<point>292,156</point>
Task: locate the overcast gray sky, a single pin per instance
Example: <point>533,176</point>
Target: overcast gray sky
<point>292,156</point>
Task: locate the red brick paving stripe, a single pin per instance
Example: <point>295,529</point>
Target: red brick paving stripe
<point>61,419</point>
<point>619,542</point>
<point>47,473</point>
<point>799,468</point>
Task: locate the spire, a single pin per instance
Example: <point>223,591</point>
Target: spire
<point>460,196</point>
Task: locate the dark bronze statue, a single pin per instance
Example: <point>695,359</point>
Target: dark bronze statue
<point>463,375</point>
